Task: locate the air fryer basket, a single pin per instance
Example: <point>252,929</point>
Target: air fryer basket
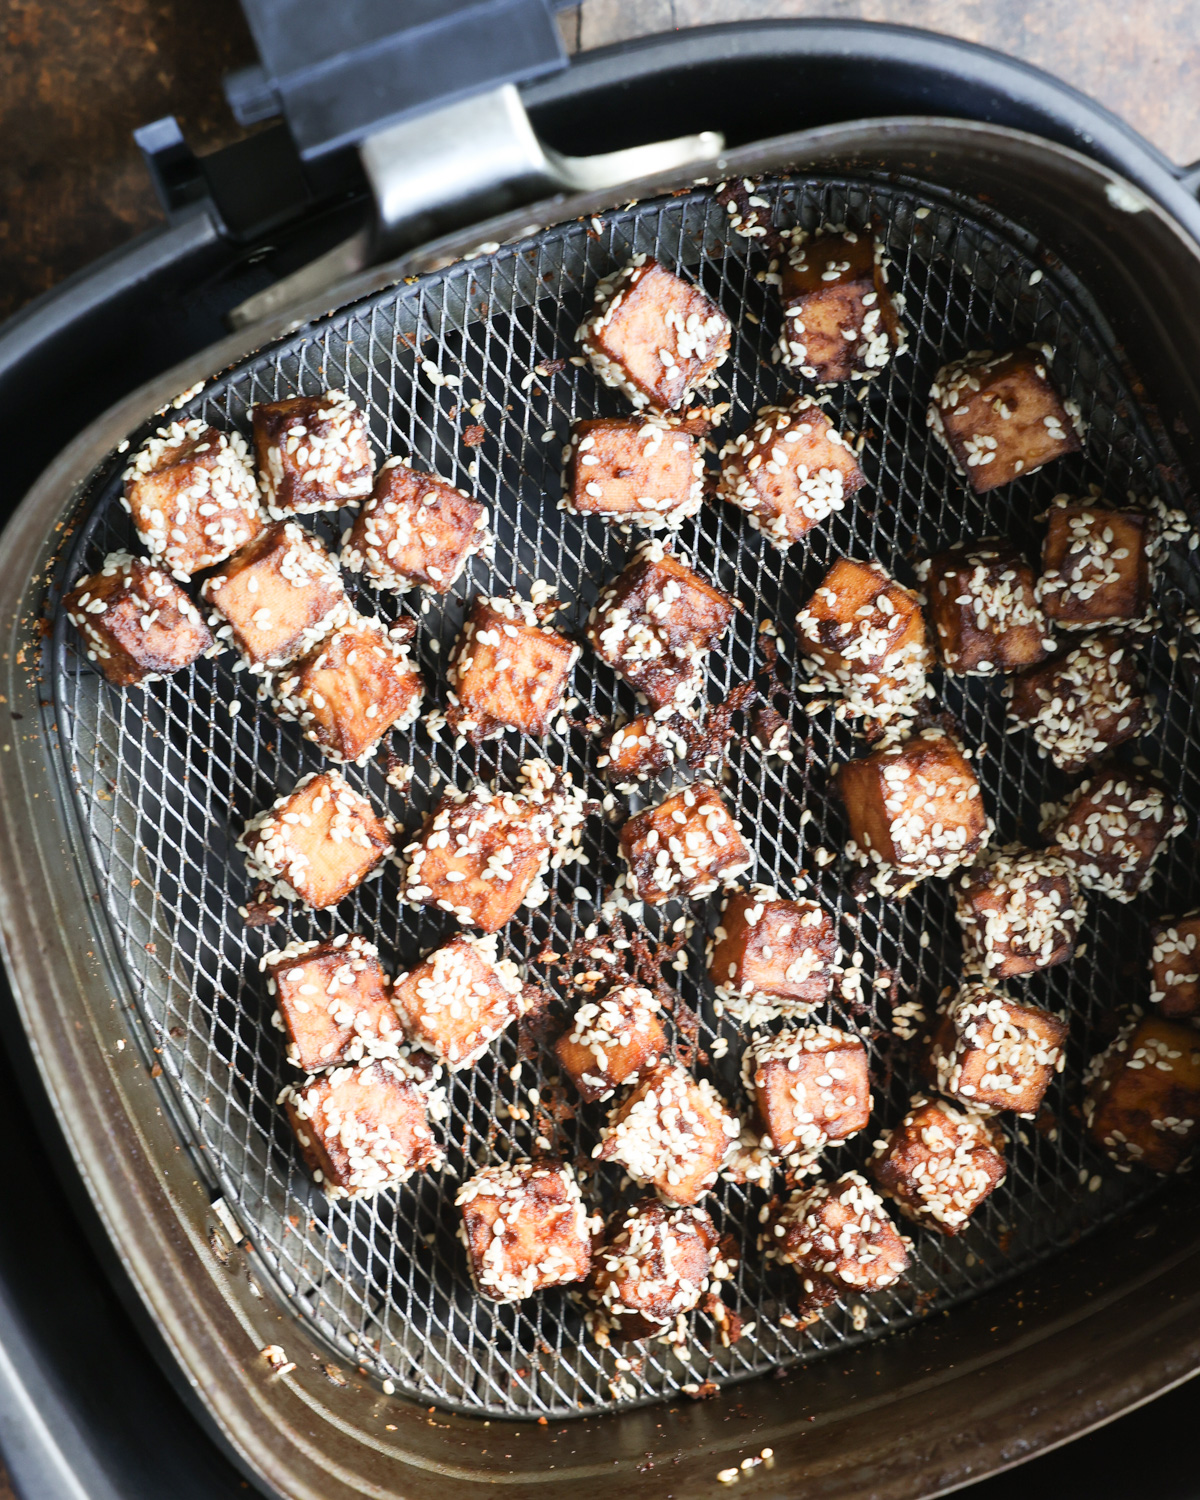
<point>155,785</point>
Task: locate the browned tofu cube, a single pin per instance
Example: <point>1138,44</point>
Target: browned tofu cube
<point>1112,830</point>
<point>1020,910</point>
<point>643,747</point>
<point>915,809</point>
<point>415,531</point>
<point>940,1163</point>
<point>317,843</point>
<point>687,846</point>
<point>525,1228</point>
<point>1095,564</point>
<point>612,1041</point>
<point>983,604</point>
<point>811,1089</point>
<point>769,957</point>
<point>365,1128</point>
<point>1082,703</point>
<point>333,1000</point>
<point>507,671</point>
<point>672,1132</point>
<point>351,689</point>
<point>653,336</point>
<point>652,1270</point>
<point>999,416</point>
<point>459,998</point>
<point>863,637</point>
<point>313,454</point>
<point>1174,967</point>
<point>136,622</point>
<point>839,320</point>
<point>277,597</point>
<point>1143,1095</point>
<point>641,471</point>
<point>790,471</point>
<point>656,624</point>
<point>192,496</point>
<point>993,1053</point>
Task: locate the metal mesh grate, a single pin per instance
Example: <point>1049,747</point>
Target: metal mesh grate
<point>164,779</point>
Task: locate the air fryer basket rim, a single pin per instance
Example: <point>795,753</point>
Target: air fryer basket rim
<point>159,1219</point>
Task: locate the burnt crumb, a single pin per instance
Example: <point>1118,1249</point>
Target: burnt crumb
<point>703,1392</point>
<point>769,730</point>
<point>551,366</point>
<point>262,908</point>
<point>474,435</point>
<point>536,1025</point>
<point>403,631</point>
<point>729,1324</point>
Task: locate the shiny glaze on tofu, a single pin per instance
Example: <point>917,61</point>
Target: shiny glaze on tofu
<point>507,671</point>
<point>1174,967</point>
<point>770,957</point>
<point>1020,910</point>
<point>1083,703</point>
<point>415,531</point>
<point>334,1002</point>
<point>940,1163</point>
<point>811,1089</point>
<point>137,624</point>
<point>651,1271</point>
<point>313,454</point>
<point>1112,830</point>
<point>993,1053</point>
<point>612,1041</point>
<point>1142,1106</point>
<point>672,1132</point>
<point>459,998</point>
<point>525,1228</point>
<point>839,320</point>
<point>1095,564</point>
<point>643,470</point>
<point>983,605</point>
<point>685,847</point>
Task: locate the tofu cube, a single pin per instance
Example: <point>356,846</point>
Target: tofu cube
<point>643,747</point>
<point>333,1000</point>
<point>1083,703</point>
<point>790,471</point>
<point>136,622</point>
<point>839,320</point>
<point>1142,1105</point>
<point>641,471</point>
<point>999,416</point>
<point>940,1163</point>
<point>863,639</point>
<point>507,671</point>
<point>317,843</point>
<point>653,336</point>
<point>192,495</point>
<point>365,1128</point>
<point>1112,830</point>
<point>672,1132</point>
<point>313,454</point>
<point>811,1089</point>
<point>653,1268</point>
<point>277,597</point>
<point>656,623</point>
<point>915,809</point>
<point>1174,968</point>
<point>612,1041</point>
<point>415,531</point>
<point>983,603</point>
<point>350,690</point>
<point>1096,564</point>
<point>992,1053</point>
<point>459,998</point>
<point>769,957</point>
<point>525,1228</point>
<point>1020,910</point>
<point>687,846</point>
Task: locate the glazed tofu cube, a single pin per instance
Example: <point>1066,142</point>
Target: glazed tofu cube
<point>1112,830</point>
<point>1143,1095</point>
<point>687,846</point>
<point>790,471</point>
<point>672,1132</point>
<point>983,605</point>
<point>999,416</point>
<point>1174,967</point>
<point>192,495</point>
<point>334,1002</point>
<point>811,1089</point>
<point>350,690</point>
<point>1082,703</point>
<point>863,638</point>
<point>915,810</point>
<point>525,1228</point>
<point>641,471</point>
<point>136,622</point>
<point>994,1054</point>
<point>940,1163</point>
<point>1020,910</point>
<point>277,597</point>
<point>317,843</point>
<point>643,747</point>
<point>507,671</point>
<point>365,1128</point>
<point>459,998</point>
<point>415,531</point>
<point>769,957</point>
<point>656,624</point>
<point>1095,564</point>
<point>839,320</point>
<point>653,336</point>
<point>612,1041</point>
<point>313,454</point>
<point>652,1270</point>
